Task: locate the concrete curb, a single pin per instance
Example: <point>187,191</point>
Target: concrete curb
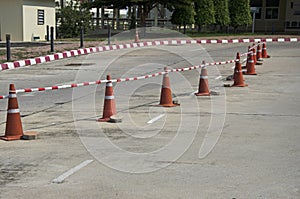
<point>85,51</point>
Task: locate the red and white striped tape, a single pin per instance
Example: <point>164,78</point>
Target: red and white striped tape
<point>85,51</point>
<point>27,90</point>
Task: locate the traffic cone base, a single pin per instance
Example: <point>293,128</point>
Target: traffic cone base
<point>245,73</point>
<point>240,85</point>
<point>103,119</point>
<point>10,138</point>
<point>168,105</point>
<point>29,135</point>
<point>202,94</point>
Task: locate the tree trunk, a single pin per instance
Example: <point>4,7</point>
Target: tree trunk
<point>139,15</point>
<point>129,12</point>
<point>235,30</point>
<point>199,28</point>
<point>118,19</point>
<point>114,19</point>
<point>143,16</point>
<point>97,18</point>
<point>156,16</point>
<point>135,16</point>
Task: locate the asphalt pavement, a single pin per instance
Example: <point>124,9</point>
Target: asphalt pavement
<point>241,142</point>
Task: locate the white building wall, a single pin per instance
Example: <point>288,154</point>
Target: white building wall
<point>11,19</point>
<point>32,30</point>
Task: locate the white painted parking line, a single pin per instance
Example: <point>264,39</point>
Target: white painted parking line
<point>219,77</point>
<point>62,177</point>
<point>198,49</point>
<point>193,93</point>
<point>155,119</point>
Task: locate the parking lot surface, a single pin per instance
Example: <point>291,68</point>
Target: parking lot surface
<point>156,152</point>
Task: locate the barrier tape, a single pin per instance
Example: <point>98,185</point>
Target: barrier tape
<point>254,46</point>
<point>85,51</point>
<point>27,90</point>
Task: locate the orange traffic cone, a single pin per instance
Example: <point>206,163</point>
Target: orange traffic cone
<point>109,108</point>
<point>136,39</point>
<point>203,89</point>
<point>254,54</point>
<point>14,130</point>
<point>259,53</point>
<point>238,74</point>
<point>238,57</point>
<point>166,93</point>
<point>250,64</point>
<point>248,57</point>
<point>264,51</point>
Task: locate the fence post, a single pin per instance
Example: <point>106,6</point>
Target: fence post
<point>8,52</point>
<point>52,39</point>
<point>47,33</point>
<point>81,36</point>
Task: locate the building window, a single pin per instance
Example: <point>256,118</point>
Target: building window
<point>41,17</point>
<point>258,5</point>
<point>287,24</point>
<point>272,8</point>
<point>272,3</point>
<point>258,15</point>
<point>294,24</point>
<point>271,13</point>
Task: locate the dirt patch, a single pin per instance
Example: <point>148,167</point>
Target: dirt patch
<point>13,172</point>
<point>31,51</point>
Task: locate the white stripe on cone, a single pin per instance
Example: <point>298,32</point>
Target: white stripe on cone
<point>13,110</point>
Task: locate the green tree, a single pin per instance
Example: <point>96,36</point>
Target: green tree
<point>71,17</point>
<point>205,13</point>
<point>95,4</point>
<point>183,15</point>
<point>239,13</point>
<point>221,12</point>
<point>145,5</point>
